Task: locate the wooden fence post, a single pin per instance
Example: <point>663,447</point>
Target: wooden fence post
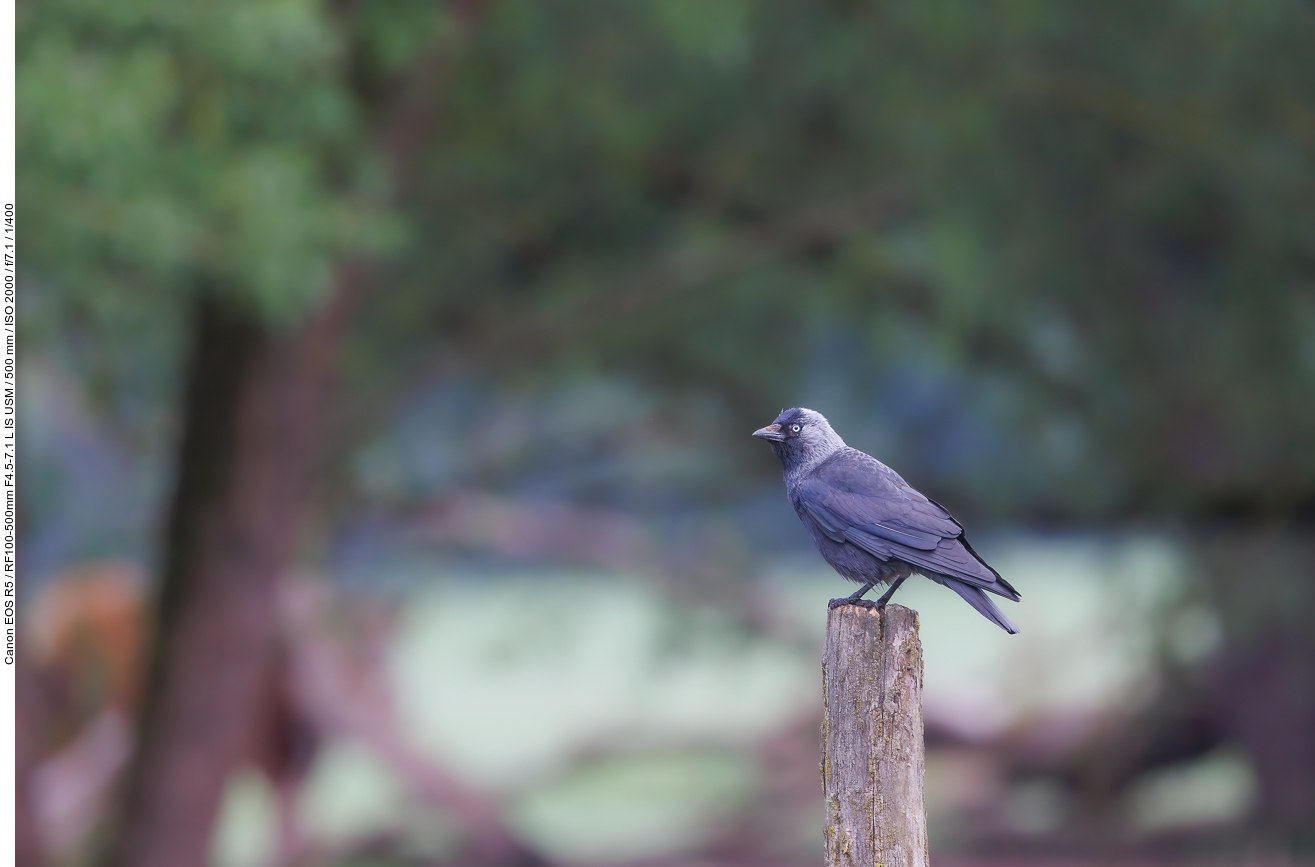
<point>872,750</point>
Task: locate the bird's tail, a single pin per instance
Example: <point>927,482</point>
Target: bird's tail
<point>979,600</point>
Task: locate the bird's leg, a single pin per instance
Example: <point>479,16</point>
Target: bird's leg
<point>855,598</point>
<point>885,597</point>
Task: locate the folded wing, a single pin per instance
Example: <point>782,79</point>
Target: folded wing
<point>856,499</point>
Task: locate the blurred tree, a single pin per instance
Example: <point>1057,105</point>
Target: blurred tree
<point>226,166</point>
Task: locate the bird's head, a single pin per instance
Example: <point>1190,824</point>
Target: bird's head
<point>800,436</point>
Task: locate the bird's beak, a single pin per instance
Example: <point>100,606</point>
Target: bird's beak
<point>771,432</point>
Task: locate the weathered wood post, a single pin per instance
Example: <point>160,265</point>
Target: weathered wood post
<point>872,751</point>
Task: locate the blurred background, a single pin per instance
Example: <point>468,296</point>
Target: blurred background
<point>387,494</point>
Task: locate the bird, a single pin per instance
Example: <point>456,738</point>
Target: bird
<point>870,525</point>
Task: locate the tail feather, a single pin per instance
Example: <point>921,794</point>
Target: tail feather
<point>979,600</point>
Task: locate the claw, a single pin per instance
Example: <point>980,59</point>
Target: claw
<point>855,598</point>
<point>861,603</point>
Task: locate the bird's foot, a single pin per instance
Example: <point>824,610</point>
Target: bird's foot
<point>849,600</point>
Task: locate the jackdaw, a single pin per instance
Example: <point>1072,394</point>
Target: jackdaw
<point>870,525</point>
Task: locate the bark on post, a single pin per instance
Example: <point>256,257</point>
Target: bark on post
<point>872,750</point>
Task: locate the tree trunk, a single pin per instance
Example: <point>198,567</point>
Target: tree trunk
<point>1263,693</point>
<point>29,723</point>
<point>254,408</point>
<point>872,749</point>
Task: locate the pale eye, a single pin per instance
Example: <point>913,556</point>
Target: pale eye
<point>795,428</point>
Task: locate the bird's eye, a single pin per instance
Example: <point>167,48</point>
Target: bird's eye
<point>795,428</point>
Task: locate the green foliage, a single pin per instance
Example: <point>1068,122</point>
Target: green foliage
<point>1098,223</point>
<point>1105,225</point>
<point>172,148</point>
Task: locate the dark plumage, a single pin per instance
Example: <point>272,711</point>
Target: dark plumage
<point>870,525</point>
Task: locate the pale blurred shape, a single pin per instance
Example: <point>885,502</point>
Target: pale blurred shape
<point>1037,807</point>
<point>635,807</point>
<point>961,781</point>
<point>246,830</point>
<point>70,788</point>
<point>1215,790</point>
<point>1195,635</point>
<point>1088,621</point>
<point>350,795</point>
<point>506,681</point>
<point>1087,634</point>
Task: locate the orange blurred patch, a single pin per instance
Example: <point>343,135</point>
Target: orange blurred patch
<point>86,632</point>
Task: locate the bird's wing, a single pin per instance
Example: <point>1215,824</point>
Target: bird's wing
<point>855,498</point>
<point>837,531</point>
